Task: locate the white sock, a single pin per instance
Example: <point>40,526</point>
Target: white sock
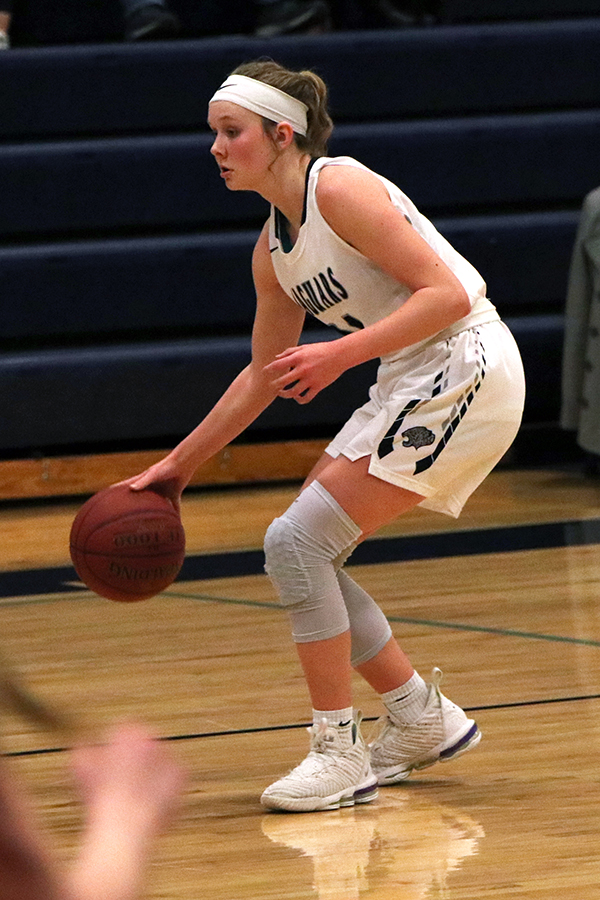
<point>340,719</point>
<point>407,703</point>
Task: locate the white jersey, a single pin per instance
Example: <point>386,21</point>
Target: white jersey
<point>342,287</point>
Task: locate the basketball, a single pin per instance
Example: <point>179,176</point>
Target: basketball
<point>127,545</point>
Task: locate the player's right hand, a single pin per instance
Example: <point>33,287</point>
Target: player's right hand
<point>163,478</point>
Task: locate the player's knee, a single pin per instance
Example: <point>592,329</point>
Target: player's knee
<point>281,558</point>
<point>275,539</point>
<point>301,545</point>
<point>298,560</point>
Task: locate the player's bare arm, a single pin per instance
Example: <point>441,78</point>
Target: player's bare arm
<point>358,208</point>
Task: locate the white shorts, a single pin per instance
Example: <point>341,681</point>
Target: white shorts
<point>438,421</point>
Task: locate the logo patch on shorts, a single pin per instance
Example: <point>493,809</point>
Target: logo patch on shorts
<point>416,437</point>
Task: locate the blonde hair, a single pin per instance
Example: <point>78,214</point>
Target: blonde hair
<point>306,86</point>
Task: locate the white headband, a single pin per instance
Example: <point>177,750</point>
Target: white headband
<point>265,100</point>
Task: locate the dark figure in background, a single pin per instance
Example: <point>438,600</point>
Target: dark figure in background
<point>149,20</point>
<point>580,408</point>
<point>275,17</point>
<point>5,17</point>
<point>144,20</point>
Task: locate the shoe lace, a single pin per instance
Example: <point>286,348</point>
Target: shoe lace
<point>385,724</point>
<point>323,741</point>
<point>323,737</point>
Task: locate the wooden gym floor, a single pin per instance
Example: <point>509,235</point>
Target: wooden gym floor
<point>504,600</point>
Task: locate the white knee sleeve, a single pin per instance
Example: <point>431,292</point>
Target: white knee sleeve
<point>300,547</point>
<point>369,627</point>
<point>304,549</point>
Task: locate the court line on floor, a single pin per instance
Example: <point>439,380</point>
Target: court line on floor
<point>203,567</point>
<point>405,620</point>
<point>504,632</point>
<point>83,596</point>
<point>293,726</point>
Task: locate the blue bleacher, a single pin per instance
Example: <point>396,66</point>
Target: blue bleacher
<point>110,89</point>
<point>126,296</point>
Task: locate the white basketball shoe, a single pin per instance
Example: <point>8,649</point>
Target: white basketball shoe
<point>443,732</point>
<point>332,775</point>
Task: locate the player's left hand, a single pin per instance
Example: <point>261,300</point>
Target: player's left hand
<point>299,373</point>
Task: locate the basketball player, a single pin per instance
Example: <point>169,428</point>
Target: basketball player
<point>348,246</point>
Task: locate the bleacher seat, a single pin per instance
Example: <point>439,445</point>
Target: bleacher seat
<point>125,89</point>
<point>201,284</point>
<point>172,182</point>
<point>125,263</point>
